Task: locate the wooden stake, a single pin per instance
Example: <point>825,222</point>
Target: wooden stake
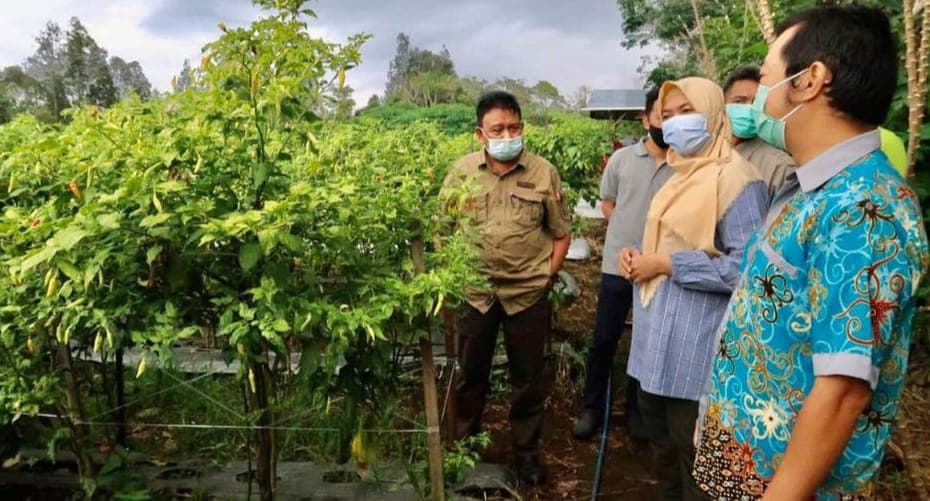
<point>430,401</point>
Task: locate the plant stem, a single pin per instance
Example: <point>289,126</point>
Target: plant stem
<point>75,410</point>
<point>265,463</point>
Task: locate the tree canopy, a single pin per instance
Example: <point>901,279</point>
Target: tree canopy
<point>68,69</point>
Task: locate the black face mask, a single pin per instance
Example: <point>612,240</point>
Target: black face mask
<point>656,134</point>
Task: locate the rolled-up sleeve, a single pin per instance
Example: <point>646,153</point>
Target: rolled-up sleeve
<point>860,281</point>
<point>698,270</point>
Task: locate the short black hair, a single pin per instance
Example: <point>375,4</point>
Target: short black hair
<point>497,99</point>
<point>742,73</point>
<point>651,97</point>
<point>857,46</point>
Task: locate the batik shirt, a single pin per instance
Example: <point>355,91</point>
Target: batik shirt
<point>827,287</point>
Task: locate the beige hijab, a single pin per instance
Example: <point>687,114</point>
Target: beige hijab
<point>684,213</point>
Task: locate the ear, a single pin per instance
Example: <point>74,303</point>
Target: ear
<point>814,82</point>
<point>644,117</point>
<point>480,136</point>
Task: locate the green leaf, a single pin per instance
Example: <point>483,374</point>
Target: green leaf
<point>152,254</point>
<point>280,325</point>
<point>109,220</point>
<point>154,220</point>
<point>68,237</point>
<point>70,270</point>
<point>40,257</point>
<point>259,174</point>
<point>309,360</point>
<point>249,255</point>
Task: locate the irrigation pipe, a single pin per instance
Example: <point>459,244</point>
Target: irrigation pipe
<point>602,450</point>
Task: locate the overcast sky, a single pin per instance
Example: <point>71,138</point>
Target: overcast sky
<point>567,42</point>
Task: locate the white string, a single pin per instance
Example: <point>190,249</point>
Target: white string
<point>445,402</point>
<point>232,426</point>
<point>204,395</point>
<point>150,395</point>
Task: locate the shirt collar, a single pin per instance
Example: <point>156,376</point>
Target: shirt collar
<point>640,148</point>
<point>521,162</point>
<point>823,167</point>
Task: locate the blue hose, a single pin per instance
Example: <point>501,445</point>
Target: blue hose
<point>602,451</point>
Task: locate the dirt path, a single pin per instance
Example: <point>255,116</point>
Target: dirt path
<point>571,464</point>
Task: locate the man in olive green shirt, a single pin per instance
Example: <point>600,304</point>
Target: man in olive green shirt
<point>524,224</point>
<point>772,164</point>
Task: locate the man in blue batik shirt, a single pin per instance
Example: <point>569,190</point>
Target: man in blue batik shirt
<point>813,348</point>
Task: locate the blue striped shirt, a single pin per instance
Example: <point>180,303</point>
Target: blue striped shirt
<point>672,345</point>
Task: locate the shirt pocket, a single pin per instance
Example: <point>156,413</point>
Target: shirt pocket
<point>477,207</point>
<point>777,259</point>
<point>527,208</point>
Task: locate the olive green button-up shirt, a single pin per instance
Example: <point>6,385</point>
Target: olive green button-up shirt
<point>772,164</point>
<point>519,214</point>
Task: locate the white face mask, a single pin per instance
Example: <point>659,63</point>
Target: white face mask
<point>686,134</point>
<point>504,150</point>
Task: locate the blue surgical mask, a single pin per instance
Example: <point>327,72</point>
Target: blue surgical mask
<point>504,150</point>
<point>742,120</point>
<point>770,129</point>
<point>686,134</point>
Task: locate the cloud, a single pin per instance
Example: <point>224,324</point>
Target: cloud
<point>181,17</point>
<point>567,43</point>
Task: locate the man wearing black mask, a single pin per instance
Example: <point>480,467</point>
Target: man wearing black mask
<point>632,176</point>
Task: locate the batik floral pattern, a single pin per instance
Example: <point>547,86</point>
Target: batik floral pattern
<point>827,288</point>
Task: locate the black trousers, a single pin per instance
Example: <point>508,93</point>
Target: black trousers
<point>614,300</point>
<point>525,336</point>
<point>671,434</point>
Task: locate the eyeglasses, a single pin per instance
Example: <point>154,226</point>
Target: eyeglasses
<point>498,131</point>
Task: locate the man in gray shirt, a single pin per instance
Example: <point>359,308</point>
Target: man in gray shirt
<point>632,176</point>
<point>772,164</point>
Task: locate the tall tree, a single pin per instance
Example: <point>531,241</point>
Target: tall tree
<point>580,97</point>
<point>47,68</point>
<point>517,87</point>
<point>421,76</point>
<point>547,95</point>
<point>6,106</point>
<point>185,79</point>
<point>472,89</point>
<point>129,78</point>
<point>88,76</point>
<point>429,88</point>
<point>24,93</point>
<point>399,66</point>
<point>766,19</point>
<point>700,37</point>
<point>340,105</point>
<point>917,58</point>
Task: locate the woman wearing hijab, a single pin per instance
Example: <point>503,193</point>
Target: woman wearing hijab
<point>696,228</point>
